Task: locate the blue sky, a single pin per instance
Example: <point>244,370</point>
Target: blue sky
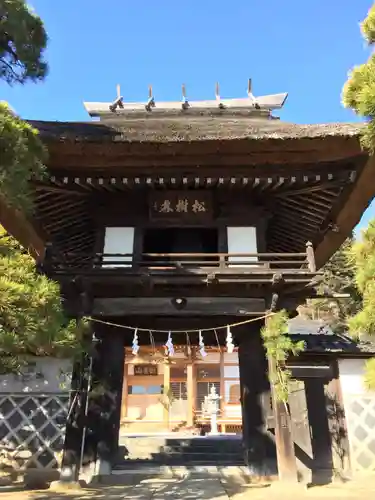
<point>303,47</point>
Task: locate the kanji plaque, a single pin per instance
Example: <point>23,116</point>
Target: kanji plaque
<point>145,370</point>
<point>192,205</point>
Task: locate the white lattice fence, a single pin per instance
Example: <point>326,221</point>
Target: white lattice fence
<point>360,414</point>
<point>32,428</point>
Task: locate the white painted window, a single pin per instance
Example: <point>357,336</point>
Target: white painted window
<point>242,240</point>
<point>118,240</point>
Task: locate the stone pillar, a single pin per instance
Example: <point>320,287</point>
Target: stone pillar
<point>105,400</point>
<point>254,386</point>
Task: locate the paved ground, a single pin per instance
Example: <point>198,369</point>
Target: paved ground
<point>202,489</point>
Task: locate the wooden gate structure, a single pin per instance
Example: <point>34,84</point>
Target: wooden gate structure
<point>184,216</point>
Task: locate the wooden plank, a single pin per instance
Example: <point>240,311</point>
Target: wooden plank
<point>286,460</point>
<point>21,229</point>
<point>350,214</point>
<point>164,306</point>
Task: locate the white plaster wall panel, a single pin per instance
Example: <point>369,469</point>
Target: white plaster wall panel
<point>231,357</point>
<point>352,376</point>
<point>242,240</point>
<point>118,240</point>
<point>42,375</point>
<point>210,358</point>
<point>233,411</point>
<point>232,372</point>
<point>359,405</point>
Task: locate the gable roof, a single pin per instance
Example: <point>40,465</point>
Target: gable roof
<point>320,339</point>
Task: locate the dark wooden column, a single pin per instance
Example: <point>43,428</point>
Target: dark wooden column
<point>254,385</point>
<point>74,430</point>
<point>105,398</point>
<point>286,459</point>
<point>321,442</point>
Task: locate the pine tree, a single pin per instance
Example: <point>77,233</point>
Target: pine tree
<point>359,90</point>
<point>21,160</point>
<point>32,320</point>
<point>338,278</point>
<point>22,43</point>
<point>359,95</point>
<point>363,323</point>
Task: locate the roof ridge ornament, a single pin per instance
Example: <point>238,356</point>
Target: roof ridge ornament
<point>185,102</point>
<point>250,94</point>
<point>118,102</point>
<point>151,100</point>
<point>217,96</point>
<point>261,106</point>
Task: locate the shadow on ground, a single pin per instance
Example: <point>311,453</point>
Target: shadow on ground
<point>189,488</point>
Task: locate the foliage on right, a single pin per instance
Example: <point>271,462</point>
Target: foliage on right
<point>359,90</point>
<point>359,95</point>
<point>279,346</point>
<point>338,278</point>
<point>362,324</point>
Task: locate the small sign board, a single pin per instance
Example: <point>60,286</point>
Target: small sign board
<point>177,205</point>
<point>145,370</point>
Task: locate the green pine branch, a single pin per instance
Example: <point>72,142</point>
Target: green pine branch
<point>279,347</point>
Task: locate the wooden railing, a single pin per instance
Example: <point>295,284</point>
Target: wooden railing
<point>179,262</point>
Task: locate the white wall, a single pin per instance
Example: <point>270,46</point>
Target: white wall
<point>352,377</point>
<point>118,240</point>
<point>242,240</point>
<point>43,375</point>
<point>359,405</point>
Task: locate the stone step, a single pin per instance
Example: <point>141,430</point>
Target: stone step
<point>159,450</point>
<point>178,461</point>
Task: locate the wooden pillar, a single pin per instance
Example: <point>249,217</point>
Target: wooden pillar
<point>166,390</point>
<point>321,442</point>
<point>286,459</point>
<point>124,401</point>
<point>191,387</point>
<point>337,423</point>
<point>222,383</point>
<point>254,383</point>
<point>74,429</point>
<point>105,399</point>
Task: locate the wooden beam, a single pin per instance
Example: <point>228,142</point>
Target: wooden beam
<point>280,159</point>
<point>349,216</point>
<point>55,189</point>
<point>16,224</point>
<point>150,306</point>
<point>312,189</point>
